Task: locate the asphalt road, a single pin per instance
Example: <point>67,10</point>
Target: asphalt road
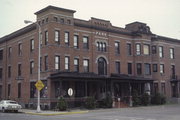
<point>165,112</point>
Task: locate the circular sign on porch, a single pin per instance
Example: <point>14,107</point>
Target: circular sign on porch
<point>70,91</point>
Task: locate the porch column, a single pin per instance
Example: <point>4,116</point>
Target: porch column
<point>130,95</point>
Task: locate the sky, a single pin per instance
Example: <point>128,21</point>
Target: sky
<point>162,16</point>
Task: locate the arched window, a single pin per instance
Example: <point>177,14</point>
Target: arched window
<point>102,66</point>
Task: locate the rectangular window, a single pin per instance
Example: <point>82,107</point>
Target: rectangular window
<point>66,38</point>
<point>10,51</point>
<point>117,66</point>
<point>1,73</point>
<point>156,88</point>
<point>32,90</point>
<point>138,49</point>
<point>76,41</point>
<point>171,53</point>
<point>20,49</point>
<point>19,69</point>
<point>62,20</point>
<point>163,88</point>
<point>9,71</point>
<point>46,37</point>
<point>68,21</point>
<point>67,62</point>
<point>161,68</point>
<point>46,63</point>
<point>139,69</point>
<point>32,45</point>
<point>1,54</point>
<point>57,36</point>
<point>76,64</point>
<point>104,47</point>
<point>130,68</point>
<point>161,54</point>
<point>147,68</point>
<point>146,49</point>
<point>117,47</point>
<point>86,65</point>
<point>19,90</point>
<point>173,69</point>
<point>155,68</point>
<point>129,49</point>
<point>154,50</point>
<point>85,42</point>
<point>31,67</point>
<point>57,62</point>
<point>173,72</point>
<point>9,90</point>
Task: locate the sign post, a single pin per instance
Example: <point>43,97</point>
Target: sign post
<point>39,85</point>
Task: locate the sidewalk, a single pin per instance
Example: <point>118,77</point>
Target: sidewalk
<point>52,113</point>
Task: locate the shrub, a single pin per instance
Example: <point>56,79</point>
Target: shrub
<point>135,98</point>
<point>107,102</point>
<point>145,99</point>
<point>90,103</point>
<point>62,104</point>
<point>163,99</point>
<point>158,99</point>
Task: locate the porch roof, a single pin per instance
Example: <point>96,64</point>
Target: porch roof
<point>75,75</point>
<point>94,76</point>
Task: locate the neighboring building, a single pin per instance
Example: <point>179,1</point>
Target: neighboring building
<point>93,57</point>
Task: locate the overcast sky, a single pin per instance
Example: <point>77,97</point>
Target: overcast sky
<point>163,16</point>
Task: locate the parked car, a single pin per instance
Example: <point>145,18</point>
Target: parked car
<point>9,105</point>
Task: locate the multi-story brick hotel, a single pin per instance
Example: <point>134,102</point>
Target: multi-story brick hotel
<point>93,57</point>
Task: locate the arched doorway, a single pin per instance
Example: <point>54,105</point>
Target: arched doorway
<point>102,66</point>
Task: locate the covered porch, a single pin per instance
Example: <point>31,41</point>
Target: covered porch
<point>82,84</point>
<point>98,86</point>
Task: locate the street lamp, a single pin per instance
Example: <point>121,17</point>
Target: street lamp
<point>39,55</point>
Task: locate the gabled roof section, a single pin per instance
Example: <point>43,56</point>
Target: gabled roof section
<point>54,8</point>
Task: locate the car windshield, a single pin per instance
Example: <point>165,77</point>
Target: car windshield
<point>11,102</point>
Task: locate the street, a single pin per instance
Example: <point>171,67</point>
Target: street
<point>165,112</point>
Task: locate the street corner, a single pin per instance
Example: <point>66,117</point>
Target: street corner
<point>44,113</point>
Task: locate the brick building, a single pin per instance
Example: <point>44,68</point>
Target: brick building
<point>93,57</point>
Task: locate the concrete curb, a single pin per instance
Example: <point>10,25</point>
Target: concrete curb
<point>53,114</point>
